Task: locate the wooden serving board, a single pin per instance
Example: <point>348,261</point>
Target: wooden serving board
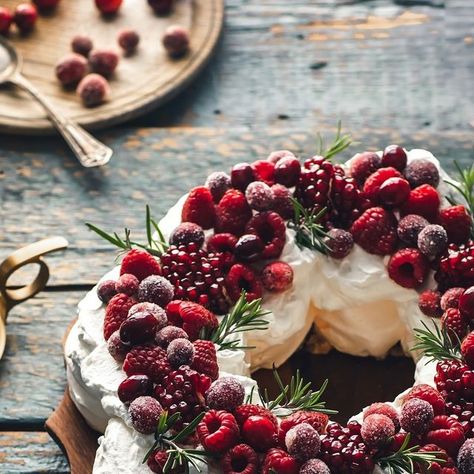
<point>142,81</point>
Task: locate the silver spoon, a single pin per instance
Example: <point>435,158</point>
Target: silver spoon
<point>89,151</point>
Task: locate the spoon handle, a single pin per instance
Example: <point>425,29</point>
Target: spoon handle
<point>88,150</point>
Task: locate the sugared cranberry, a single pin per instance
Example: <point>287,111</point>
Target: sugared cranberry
<point>394,191</point>
<point>156,289</point>
<point>6,19</point>
<point>161,7</point>
<point>465,457</point>
<point>248,248</point>
<point>377,429</point>
<point>315,466</point>
<point>25,17</point>
<point>128,40</point>
<point>241,176</point>
<point>259,196</point>
<point>339,243</point>
<point>226,393</point>
<point>71,69</point>
<point>127,284</point>
<point>117,348</point>
<point>108,7</point>
<point>303,442</point>
<point>186,233</point>
<point>282,203</point>
<point>46,5</point>
<point>287,171</point>
<point>144,414</point>
<point>416,416</point>
<point>103,61</point>
<point>420,172</point>
<point>105,290</point>
<point>394,156</point>
<point>466,303</point>
<point>176,41</point>
<point>275,156</point>
<point>218,183</point>
<point>138,328</point>
<point>363,165</point>
<point>180,352</point>
<point>133,387</point>
<point>168,334</point>
<point>93,90</point>
<point>409,227</point>
<point>82,44</point>
<point>432,240</point>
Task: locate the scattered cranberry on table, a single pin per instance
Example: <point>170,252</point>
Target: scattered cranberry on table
<point>82,44</point>
<point>103,61</point>
<point>93,90</point>
<point>6,19</point>
<point>25,17</point>
<point>71,69</point>
<point>161,7</point>
<point>108,7</point>
<point>176,41</point>
<point>46,5</point>
<point>128,40</point>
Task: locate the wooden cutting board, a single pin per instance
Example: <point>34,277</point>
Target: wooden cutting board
<point>142,81</point>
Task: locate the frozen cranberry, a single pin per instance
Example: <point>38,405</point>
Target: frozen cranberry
<point>105,290</point>
<point>127,284</point>
<point>339,243</point>
<point>466,303</point>
<point>108,7</point>
<point>103,61</point>
<point>275,156</point>
<point>71,69</point>
<point>161,7</point>
<point>133,387</point>
<point>176,41</point>
<point>287,171</point>
<point>394,156</point>
<point>117,348</point>
<point>93,90</point>
<point>138,328</point>
<point>241,176</point>
<point>25,17</point>
<point>180,352</point>
<point>420,172</point>
<point>6,19</point>
<point>82,44</point>
<point>186,233</point>
<point>46,4</point>
<point>144,414</point>
<point>248,248</point>
<point>394,191</point>
<point>259,196</point>
<point>218,183</point>
<point>128,40</point>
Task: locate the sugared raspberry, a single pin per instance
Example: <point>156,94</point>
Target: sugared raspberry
<point>303,442</point>
<point>226,393</point>
<point>127,284</point>
<point>277,276</point>
<point>218,431</point>
<point>161,7</point>
<point>419,172</point>
<point>393,192</point>
<point>317,420</point>
<point>278,461</point>
<point>271,228</point>
<point>103,61</point>
<point>314,466</point>
<point>394,156</point>
<point>416,416</point>
<point>430,395</point>
<point>241,277</point>
<point>128,40</point>
<point>144,414</point>
<point>147,360</point>
<point>240,459</point>
<point>25,17</point>
<point>275,156</point>
<point>259,196</point>
<point>376,179</point>
<point>377,430</point>
<point>467,349</point>
<point>93,90</point>
<point>465,457</point>
<point>282,203</point>
<point>176,41</point>
<point>6,19</point>
<point>108,7</point>
<point>140,263</point>
<point>432,240</point>
<point>287,171</point>
<point>264,171</point>
<point>375,231</point>
<point>133,387</point>
<point>245,411</point>
<point>186,233</point>
<point>424,201</point>
<point>454,324</point>
<point>447,433</point>
<point>409,227</point>
<point>156,289</point>
<point>363,165</point>
<point>71,69</point>
<point>339,243</point>
<point>105,290</point>
<point>248,248</point>
<point>117,348</point>
<point>450,298</point>
<point>259,432</point>
<point>116,313</point>
<point>168,334</point>
<point>383,409</point>
<point>466,303</point>
<point>429,303</point>
<point>408,267</point>
<point>457,222</point>
<point>199,208</point>
<point>218,183</point>
<point>241,176</point>
<point>205,359</point>
<point>232,213</point>
<point>180,352</point>
<point>82,44</point>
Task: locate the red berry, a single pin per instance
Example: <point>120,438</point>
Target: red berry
<point>193,317</point>
<point>106,290</point>
<point>218,431</point>
<point>377,430</point>
<point>314,466</point>
<point>108,6</point>
<point>275,156</point>
<point>46,4</point>
<point>416,416</point>
<point>103,61</point>
<point>429,303</point>
<point>430,395</point>
<point>199,208</point>
<point>224,243</point>
<point>278,461</point>
<point>466,303</point>
<point>93,90</point>
<point>161,7</point>
<point>140,263</point>
<point>248,248</point>
<point>421,171</point>
<point>25,17</point>
<point>240,459</point>
<point>138,328</point>
<point>447,433</point>
<point>116,313</point>
<point>282,201</point>
<point>457,222</point>
<point>277,276</point>
<point>424,201</point>
<point>176,41</point>
<point>147,360</point>
<point>259,432</point>
<point>408,267</point>
<point>287,171</point>
<point>264,170</point>
<point>82,44</point>
<point>226,393</point>
<point>376,179</point>
<point>467,349</point>
<point>205,359</point>
<point>383,409</point>
<point>241,176</point>
<point>409,228</point>
<point>303,442</point>
<point>454,323</point>
<point>6,19</point>
<point>394,191</point>
<point>465,459</point>
<point>271,229</point>
<point>317,420</point>
<point>168,334</point>
<point>363,165</point>
<point>432,240</point>
<point>245,411</point>
<point>144,414</point>
<point>127,284</point>
<point>117,348</point>
<point>456,266</point>
<point>218,183</point>
<point>133,387</point>
<point>375,231</point>
<point>156,289</point>
<point>450,298</point>
<point>180,352</point>
<point>240,278</point>
<point>339,243</point>
<point>394,156</point>
<point>232,213</point>
<point>259,196</point>
<point>128,40</point>
<point>187,233</point>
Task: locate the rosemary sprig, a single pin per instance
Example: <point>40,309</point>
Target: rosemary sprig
<point>154,246</point>
<point>465,187</point>
<point>309,231</point>
<point>339,144</point>
<point>295,396</point>
<point>177,456</point>
<point>244,316</point>
<point>403,460</point>
<point>437,344</point>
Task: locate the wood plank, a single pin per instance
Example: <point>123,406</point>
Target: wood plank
<point>44,192</point>
<point>33,453</point>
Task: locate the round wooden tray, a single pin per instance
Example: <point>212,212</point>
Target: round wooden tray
<point>142,81</point>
